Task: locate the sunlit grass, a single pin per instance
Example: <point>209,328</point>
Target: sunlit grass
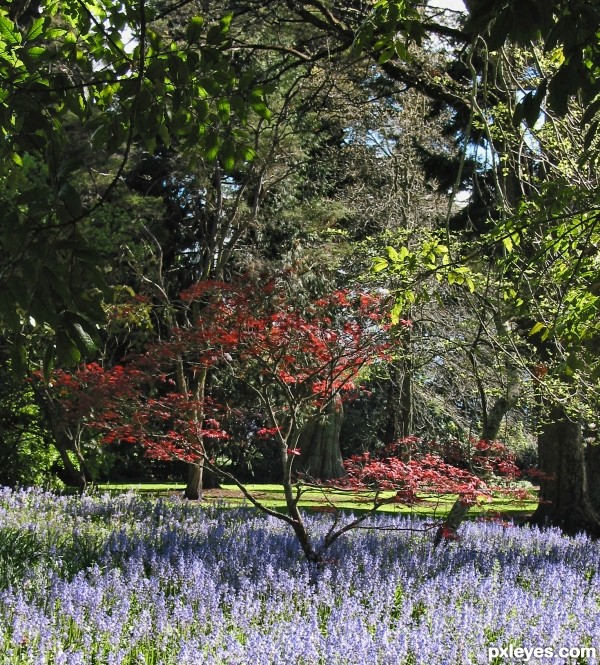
<point>322,499</point>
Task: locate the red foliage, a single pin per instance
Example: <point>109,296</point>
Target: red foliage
<point>482,457</point>
<point>410,467</point>
<point>267,432</point>
<point>305,355</point>
<point>447,533</point>
<point>428,474</point>
<point>297,360</point>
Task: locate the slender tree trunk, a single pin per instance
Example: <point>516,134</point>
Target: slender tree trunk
<point>399,422</point>
<point>565,499</point>
<point>492,420</point>
<point>405,422</point>
<point>389,432</point>
<point>592,458</point>
<point>319,443</point>
<point>199,477</point>
<point>193,489</point>
<point>73,475</point>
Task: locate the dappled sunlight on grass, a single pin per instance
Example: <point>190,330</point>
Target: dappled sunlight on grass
<point>271,495</point>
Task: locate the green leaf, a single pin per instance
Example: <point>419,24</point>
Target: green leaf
<point>178,69</point>
<point>260,108</point>
<point>36,52</point>
<point>225,22</point>
<point>590,112</point>
<point>202,108</point>
<point>538,327</point>
<point>573,363</point>
<point>396,312</point>
<point>9,32</point>
<point>9,317</point>
<point>238,105</point>
<point>560,88</point>
<point>248,154</point>
<point>163,132</point>
<point>212,145</point>
<point>194,29</point>
<point>66,350</point>
<point>18,357</point>
<point>215,35</point>
<point>90,328</point>
<point>228,156</point>
<point>501,28</point>
<point>392,254</point>
<point>386,55</point>
<point>42,309</point>
<point>48,362</point>
<point>71,199</point>
<point>224,110</point>
<point>84,342</point>
<point>379,264</point>
<point>529,108</point>
<point>55,33</point>
<point>155,70</point>
<point>66,167</point>
<point>36,28</point>
<point>228,161</point>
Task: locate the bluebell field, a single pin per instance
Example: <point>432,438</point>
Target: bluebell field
<point>126,580</point>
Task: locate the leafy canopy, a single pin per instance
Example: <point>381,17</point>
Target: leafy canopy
<point>84,81</point>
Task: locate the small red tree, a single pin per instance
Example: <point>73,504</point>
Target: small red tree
<point>72,400</point>
<point>295,360</point>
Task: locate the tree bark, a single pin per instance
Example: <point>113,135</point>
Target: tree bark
<point>72,475</point>
<point>193,489</point>
<point>565,499</point>
<point>399,422</point>
<point>319,443</point>
<point>492,420</point>
<point>199,478</point>
<point>592,458</point>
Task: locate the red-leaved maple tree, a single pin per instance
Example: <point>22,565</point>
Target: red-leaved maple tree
<point>294,359</point>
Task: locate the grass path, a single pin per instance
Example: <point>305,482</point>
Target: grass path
<point>326,500</point>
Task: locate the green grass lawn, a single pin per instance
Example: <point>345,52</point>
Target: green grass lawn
<point>271,495</point>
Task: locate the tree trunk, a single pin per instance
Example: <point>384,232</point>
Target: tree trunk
<point>199,478</point>
<point>72,475</point>
<point>492,419</point>
<point>592,457</point>
<point>564,495</point>
<point>389,431</point>
<point>193,489</point>
<point>399,422</point>
<point>319,444</point>
<point>405,425</point>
